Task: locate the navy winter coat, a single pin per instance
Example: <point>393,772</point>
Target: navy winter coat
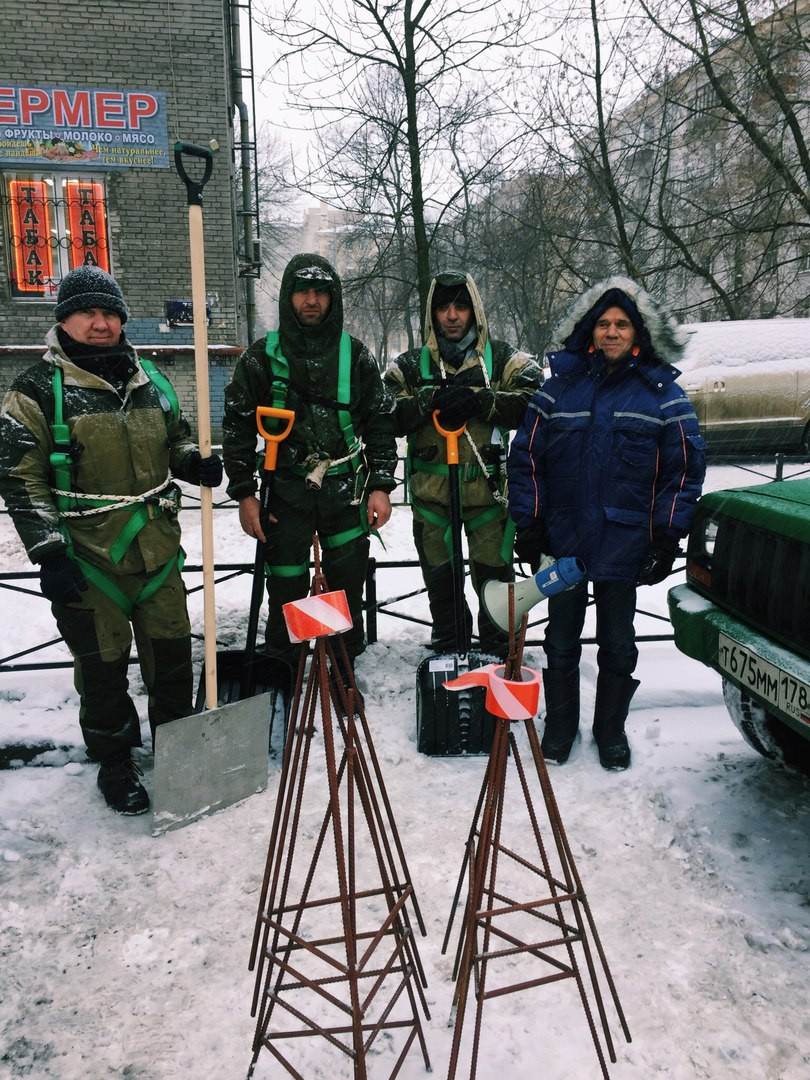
<point>605,460</point>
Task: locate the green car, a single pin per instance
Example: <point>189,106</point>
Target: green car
<point>745,610</point>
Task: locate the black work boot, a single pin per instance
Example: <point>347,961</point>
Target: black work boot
<point>118,783</point>
<point>613,696</point>
<point>562,713</point>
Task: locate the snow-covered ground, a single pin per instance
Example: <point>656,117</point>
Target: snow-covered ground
<point>125,954</point>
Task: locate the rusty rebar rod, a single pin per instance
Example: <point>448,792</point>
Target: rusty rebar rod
<point>369,978</point>
<point>483,940</point>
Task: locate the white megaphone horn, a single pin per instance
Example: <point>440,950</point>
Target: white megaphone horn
<point>554,576</point>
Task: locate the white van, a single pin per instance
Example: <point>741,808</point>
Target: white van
<point>749,382</point>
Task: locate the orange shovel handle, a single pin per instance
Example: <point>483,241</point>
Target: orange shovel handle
<point>450,436</point>
<point>272,439</point>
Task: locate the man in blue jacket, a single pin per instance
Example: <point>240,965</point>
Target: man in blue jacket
<point>607,466</point>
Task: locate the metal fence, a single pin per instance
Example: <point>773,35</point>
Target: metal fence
<point>380,603</point>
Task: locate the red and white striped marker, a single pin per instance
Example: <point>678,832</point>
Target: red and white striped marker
<point>322,615</point>
<point>505,698</point>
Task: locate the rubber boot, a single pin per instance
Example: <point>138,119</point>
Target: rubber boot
<point>562,713</point>
<point>613,696</point>
<point>439,584</point>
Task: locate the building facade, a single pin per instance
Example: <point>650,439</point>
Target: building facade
<point>712,170</point>
<point>87,174</point>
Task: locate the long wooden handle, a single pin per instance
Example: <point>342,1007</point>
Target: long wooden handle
<point>194,193</point>
<point>198,300</point>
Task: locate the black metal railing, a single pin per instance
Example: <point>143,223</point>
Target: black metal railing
<point>377,604</point>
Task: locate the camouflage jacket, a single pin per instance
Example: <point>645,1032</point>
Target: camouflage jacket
<point>312,393</point>
<point>515,377</point>
<point>124,444</point>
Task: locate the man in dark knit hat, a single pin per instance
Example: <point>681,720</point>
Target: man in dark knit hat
<point>90,439</point>
<point>482,385</point>
<point>608,466</point>
<point>335,468</point>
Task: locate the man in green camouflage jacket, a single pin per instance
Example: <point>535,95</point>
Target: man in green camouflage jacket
<point>335,468</point>
<point>90,439</point>
<point>485,385</point>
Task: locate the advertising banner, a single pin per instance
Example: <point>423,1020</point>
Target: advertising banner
<point>89,127</point>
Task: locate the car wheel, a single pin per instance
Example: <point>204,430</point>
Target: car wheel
<point>805,443</point>
<point>764,732</point>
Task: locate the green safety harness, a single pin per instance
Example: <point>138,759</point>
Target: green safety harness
<point>70,503</point>
<point>470,471</point>
<point>280,369</point>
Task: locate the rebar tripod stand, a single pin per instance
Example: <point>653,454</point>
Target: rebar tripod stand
<point>537,939</point>
<point>338,960</point>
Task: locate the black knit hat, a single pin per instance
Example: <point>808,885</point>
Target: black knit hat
<point>89,287</point>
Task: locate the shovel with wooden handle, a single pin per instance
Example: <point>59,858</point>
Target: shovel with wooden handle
<point>209,760</point>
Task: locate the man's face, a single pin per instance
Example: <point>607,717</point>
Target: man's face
<point>454,319</point>
<point>93,326</point>
<point>311,306</point>
<point>614,335</point>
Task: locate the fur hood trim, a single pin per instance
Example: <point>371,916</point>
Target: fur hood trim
<point>667,337</point>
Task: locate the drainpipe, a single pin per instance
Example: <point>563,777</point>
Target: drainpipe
<point>245,165</point>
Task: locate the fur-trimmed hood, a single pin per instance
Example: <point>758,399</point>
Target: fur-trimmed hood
<point>665,339</point>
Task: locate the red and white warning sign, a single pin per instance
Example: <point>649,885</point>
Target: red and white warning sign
<point>505,698</point>
<point>322,615</point>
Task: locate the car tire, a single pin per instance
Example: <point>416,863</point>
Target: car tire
<point>764,732</point>
<point>804,446</point>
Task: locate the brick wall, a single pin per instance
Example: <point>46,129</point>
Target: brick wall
<point>179,49</point>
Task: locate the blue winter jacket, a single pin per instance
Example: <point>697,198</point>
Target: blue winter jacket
<point>605,460</point>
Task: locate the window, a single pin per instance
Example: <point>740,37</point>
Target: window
<point>54,223</point>
<point>705,98</point>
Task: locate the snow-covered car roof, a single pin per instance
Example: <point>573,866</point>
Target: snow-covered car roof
<point>747,341</point>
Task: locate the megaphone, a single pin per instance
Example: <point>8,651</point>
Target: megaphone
<point>554,576</point>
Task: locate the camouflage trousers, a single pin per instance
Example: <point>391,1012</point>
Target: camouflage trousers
<point>99,635</point>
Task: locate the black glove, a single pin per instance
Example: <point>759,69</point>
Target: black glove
<point>61,580</point>
<point>531,545</point>
<point>458,404</point>
<point>204,471</point>
<point>658,560</point>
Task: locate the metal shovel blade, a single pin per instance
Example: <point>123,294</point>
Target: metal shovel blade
<point>451,723</point>
<point>210,760</point>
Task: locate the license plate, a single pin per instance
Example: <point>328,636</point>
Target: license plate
<point>770,683</point>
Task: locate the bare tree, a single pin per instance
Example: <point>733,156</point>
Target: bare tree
<point>684,122</point>
<point>414,84</point>
<point>754,57</point>
<point>279,232</point>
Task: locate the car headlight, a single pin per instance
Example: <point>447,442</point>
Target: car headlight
<point>710,527</point>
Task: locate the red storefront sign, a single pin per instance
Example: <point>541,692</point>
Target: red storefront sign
<point>31,235</point>
<point>87,224</point>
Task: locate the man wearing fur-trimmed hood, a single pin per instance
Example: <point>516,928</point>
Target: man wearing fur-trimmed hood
<point>608,466</point>
<point>485,385</point>
<point>336,466</point>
